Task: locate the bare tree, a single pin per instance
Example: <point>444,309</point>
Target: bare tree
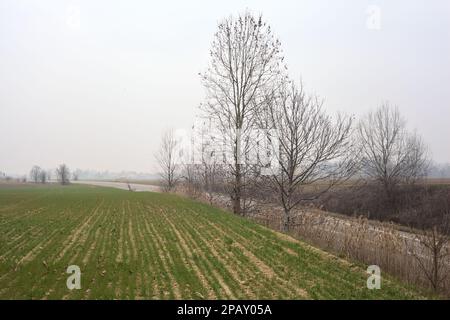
<point>63,174</point>
<point>168,160</point>
<point>312,152</point>
<point>77,174</point>
<point>431,245</point>
<point>43,176</point>
<point>190,176</point>
<point>35,174</point>
<point>390,154</point>
<point>210,168</point>
<point>245,61</point>
<point>188,168</point>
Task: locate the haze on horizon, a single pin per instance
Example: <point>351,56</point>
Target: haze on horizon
<point>94,83</point>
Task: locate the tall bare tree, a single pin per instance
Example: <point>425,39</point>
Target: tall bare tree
<point>168,160</point>
<point>63,174</point>
<point>390,154</point>
<point>245,60</point>
<point>35,174</point>
<point>312,151</point>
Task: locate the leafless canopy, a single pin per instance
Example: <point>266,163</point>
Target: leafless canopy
<point>310,148</point>
<point>209,168</point>
<point>43,177</point>
<point>391,155</point>
<point>167,159</point>
<point>245,61</point>
<point>35,174</point>
<point>63,174</point>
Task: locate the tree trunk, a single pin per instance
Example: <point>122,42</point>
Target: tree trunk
<point>286,220</point>
<point>237,190</point>
<point>436,272</point>
<point>436,252</point>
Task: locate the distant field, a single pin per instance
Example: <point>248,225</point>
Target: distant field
<point>438,181</point>
<point>159,246</point>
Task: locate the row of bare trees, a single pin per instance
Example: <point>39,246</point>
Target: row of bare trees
<point>262,137</point>
<point>300,152</point>
<point>39,175</point>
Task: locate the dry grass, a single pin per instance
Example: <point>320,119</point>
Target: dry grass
<point>359,239</point>
<point>390,246</point>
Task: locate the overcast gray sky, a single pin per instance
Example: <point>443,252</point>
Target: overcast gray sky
<point>93,83</point>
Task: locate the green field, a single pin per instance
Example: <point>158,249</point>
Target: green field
<point>145,245</point>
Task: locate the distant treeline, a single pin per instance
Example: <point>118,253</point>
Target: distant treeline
<point>439,171</point>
